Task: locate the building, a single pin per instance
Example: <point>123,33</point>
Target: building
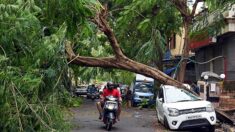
<point>216,53</point>
<point>219,48</point>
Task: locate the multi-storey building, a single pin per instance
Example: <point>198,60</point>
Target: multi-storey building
<point>216,53</point>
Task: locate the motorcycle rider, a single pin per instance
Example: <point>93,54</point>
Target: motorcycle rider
<point>109,90</point>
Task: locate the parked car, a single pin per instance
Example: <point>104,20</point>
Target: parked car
<point>80,90</point>
<point>92,92</point>
<point>143,93</point>
<point>179,109</point>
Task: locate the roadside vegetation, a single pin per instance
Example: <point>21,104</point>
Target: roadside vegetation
<point>33,76</point>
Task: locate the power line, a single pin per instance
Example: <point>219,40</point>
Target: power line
<point>196,62</point>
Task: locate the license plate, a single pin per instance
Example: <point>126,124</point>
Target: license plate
<point>194,117</point>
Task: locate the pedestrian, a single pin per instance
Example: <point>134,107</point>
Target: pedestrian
<point>128,97</point>
<point>196,89</point>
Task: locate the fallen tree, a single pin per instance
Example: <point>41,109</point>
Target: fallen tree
<point>119,60</point>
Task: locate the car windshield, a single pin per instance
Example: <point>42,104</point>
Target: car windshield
<point>123,87</point>
<point>179,95</point>
<point>145,88</point>
<point>92,89</point>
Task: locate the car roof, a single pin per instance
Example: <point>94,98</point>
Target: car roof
<point>168,86</point>
<point>140,77</point>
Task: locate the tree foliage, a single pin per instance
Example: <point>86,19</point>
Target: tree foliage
<point>33,70</point>
<point>148,21</point>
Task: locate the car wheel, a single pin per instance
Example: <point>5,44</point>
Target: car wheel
<point>158,120</point>
<point>166,123</point>
<point>211,128</point>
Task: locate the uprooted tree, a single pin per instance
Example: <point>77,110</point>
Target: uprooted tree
<point>119,60</point>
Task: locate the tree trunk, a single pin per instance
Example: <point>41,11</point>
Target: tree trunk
<point>185,54</point>
<point>187,17</point>
<point>76,80</point>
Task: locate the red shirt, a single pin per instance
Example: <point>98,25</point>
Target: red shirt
<point>113,92</point>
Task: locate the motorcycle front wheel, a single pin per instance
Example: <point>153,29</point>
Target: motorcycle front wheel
<point>109,124</point>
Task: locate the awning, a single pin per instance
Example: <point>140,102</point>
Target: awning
<point>212,76</point>
<point>170,70</point>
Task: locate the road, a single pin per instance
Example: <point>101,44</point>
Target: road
<point>85,119</point>
<point>132,120</point>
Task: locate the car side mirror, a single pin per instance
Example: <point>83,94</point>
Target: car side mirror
<point>160,100</point>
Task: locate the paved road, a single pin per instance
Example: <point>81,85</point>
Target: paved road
<point>132,120</point>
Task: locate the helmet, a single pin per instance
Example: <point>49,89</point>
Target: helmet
<point>110,85</point>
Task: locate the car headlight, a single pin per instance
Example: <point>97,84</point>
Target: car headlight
<point>173,112</point>
<point>210,108</point>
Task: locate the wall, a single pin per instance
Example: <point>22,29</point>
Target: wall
<point>229,53</point>
<point>179,44</point>
<point>224,47</point>
<point>205,54</point>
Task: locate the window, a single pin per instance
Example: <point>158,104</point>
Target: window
<point>144,87</point>
<point>160,94</point>
<point>179,95</point>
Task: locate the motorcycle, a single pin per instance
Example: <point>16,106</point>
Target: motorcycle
<point>110,112</point>
<point>93,96</point>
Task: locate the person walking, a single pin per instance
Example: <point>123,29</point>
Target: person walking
<point>128,97</point>
<point>196,89</point>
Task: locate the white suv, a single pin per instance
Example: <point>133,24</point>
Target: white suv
<point>180,109</point>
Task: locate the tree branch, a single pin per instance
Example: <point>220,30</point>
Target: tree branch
<point>194,8</point>
<point>101,22</point>
<point>181,6</point>
<point>123,63</point>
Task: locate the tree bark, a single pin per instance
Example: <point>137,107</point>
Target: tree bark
<point>124,63</point>
<point>185,53</point>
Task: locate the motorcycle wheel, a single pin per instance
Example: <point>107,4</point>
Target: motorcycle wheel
<point>109,125</point>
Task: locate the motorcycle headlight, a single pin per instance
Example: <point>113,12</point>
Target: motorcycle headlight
<point>173,112</point>
<point>210,108</point>
<point>111,106</point>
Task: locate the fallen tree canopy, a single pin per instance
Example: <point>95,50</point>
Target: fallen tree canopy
<point>119,60</point>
